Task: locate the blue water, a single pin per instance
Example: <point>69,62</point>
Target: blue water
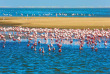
<point>18,58</point>
<point>55,12</point>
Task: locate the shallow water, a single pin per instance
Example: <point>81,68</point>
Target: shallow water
<point>18,58</point>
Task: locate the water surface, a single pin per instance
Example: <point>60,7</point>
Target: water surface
<point>18,58</point>
<point>55,12</point>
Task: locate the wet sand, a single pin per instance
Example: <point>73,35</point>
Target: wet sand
<point>57,22</point>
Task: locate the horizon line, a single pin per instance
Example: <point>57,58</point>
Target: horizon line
<point>52,7</point>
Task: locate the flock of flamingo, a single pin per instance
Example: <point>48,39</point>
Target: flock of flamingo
<point>56,36</point>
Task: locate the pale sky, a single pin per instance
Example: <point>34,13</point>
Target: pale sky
<point>55,3</point>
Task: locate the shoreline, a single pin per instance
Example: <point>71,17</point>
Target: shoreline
<point>57,22</point>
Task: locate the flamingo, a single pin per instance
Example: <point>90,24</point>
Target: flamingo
<point>28,45</point>
<point>49,49</point>
<point>53,49</point>
<point>3,46</point>
<point>32,47</point>
<point>96,49</point>
<point>60,50</point>
<point>60,36</point>
<point>43,50</point>
<point>40,49</point>
<point>105,43</point>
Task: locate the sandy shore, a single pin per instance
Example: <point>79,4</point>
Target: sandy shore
<point>56,22</point>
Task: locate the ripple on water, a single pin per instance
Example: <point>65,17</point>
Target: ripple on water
<point>22,59</point>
